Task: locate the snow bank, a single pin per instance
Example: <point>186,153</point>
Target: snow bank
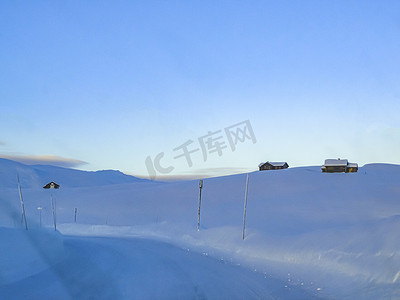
<point>25,253</point>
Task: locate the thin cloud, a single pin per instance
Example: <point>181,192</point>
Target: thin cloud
<point>201,173</point>
<point>222,170</point>
<point>52,160</point>
<point>2,143</point>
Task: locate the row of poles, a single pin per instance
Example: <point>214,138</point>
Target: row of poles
<point>244,210</point>
<point>53,208</point>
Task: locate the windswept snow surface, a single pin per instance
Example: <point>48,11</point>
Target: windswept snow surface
<point>134,268</point>
<point>308,234</point>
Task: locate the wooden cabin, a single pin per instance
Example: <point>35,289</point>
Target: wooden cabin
<point>339,166</point>
<point>352,167</point>
<point>51,185</point>
<point>269,165</point>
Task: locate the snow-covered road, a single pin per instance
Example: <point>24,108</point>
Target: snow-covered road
<point>135,268</point>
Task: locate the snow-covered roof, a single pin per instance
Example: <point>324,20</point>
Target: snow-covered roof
<point>261,164</point>
<point>336,162</point>
<point>51,185</point>
<point>352,165</point>
<point>277,164</point>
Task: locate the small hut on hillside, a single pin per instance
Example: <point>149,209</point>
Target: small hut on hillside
<point>51,185</point>
<point>269,165</point>
<point>339,166</point>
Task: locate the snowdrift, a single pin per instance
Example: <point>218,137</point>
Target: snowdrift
<point>331,234</point>
<point>25,253</point>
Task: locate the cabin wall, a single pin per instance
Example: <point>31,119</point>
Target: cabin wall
<point>339,169</point>
<point>352,170</point>
<point>334,169</point>
<point>266,167</point>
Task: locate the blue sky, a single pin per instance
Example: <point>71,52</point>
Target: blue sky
<point>107,84</point>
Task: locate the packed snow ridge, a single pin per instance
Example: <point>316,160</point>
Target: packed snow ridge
<point>308,235</point>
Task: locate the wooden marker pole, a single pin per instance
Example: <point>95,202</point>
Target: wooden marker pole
<point>245,205</point>
<point>198,216</point>
<point>22,203</point>
<point>53,206</point>
<point>40,215</point>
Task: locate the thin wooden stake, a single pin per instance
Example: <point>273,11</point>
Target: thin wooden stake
<point>245,205</point>
<point>198,216</point>
<point>22,203</point>
<point>40,215</point>
<point>53,207</point>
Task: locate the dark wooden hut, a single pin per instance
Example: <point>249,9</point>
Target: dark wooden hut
<point>51,185</point>
<point>269,165</point>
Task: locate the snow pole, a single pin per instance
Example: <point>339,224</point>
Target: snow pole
<point>53,207</point>
<point>198,215</point>
<point>40,215</point>
<point>245,204</point>
<point>22,203</point>
<point>76,210</point>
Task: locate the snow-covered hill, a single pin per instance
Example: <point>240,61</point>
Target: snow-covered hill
<point>36,176</point>
<point>325,235</point>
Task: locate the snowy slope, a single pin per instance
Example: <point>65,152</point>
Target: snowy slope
<point>331,235</point>
<point>36,176</point>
